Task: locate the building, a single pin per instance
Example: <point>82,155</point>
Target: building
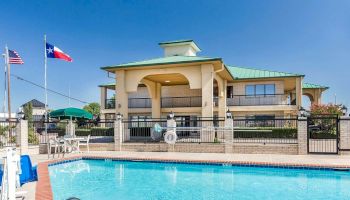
<point>38,109</point>
<point>196,86</point>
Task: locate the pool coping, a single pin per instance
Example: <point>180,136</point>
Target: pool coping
<point>43,189</point>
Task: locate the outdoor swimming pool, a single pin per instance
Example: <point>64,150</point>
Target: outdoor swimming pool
<point>110,180</point>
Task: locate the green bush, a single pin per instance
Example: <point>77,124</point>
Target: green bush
<point>262,132</point>
<point>32,138</point>
<point>95,131</point>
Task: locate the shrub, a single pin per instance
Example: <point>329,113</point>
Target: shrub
<point>95,131</point>
<point>262,132</point>
<point>32,137</point>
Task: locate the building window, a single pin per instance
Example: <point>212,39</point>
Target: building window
<point>260,89</point>
<point>250,90</point>
<point>229,91</point>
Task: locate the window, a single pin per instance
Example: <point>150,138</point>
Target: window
<point>260,89</point>
<point>229,92</point>
<point>250,90</point>
<point>270,89</point>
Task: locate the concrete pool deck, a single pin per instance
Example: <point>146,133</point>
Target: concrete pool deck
<point>318,161</point>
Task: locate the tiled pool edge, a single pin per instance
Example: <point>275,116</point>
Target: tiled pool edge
<point>44,190</point>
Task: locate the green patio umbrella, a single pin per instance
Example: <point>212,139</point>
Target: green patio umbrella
<point>70,113</point>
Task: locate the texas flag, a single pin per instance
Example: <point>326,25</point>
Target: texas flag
<point>54,52</point>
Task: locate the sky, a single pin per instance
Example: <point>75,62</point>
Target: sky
<point>309,37</point>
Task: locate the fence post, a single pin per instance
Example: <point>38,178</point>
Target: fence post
<point>302,136</point>
<point>170,122</point>
<point>228,135</point>
<point>118,134</point>
<point>22,136</point>
<point>344,135</point>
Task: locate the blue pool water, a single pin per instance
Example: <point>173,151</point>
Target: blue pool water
<point>111,180</point>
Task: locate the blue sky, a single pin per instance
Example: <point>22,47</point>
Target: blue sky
<point>309,37</point>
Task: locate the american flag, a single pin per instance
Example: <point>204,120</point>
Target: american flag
<point>14,58</point>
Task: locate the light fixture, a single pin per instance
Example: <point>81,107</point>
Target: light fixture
<point>344,110</point>
<point>119,116</point>
<point>228,114</point>
<point>167,81</point>
<point>302,112</point>
<point>21,115</point>
<point>171,115</point>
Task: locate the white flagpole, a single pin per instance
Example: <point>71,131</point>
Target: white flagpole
<point>45,78</point>
<point>5,83</point>
<point>8,84</point>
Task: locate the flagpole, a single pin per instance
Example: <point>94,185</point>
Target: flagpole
<point>5,84</point>
<point>8,83</point>
<point>45,79</point>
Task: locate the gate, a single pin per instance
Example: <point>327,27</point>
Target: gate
<point>323,134</point>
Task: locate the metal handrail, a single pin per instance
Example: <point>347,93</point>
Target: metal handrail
<point>256,100</point>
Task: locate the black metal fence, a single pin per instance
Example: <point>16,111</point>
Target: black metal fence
<point>187,130</point>
<point>141,130</point>
<point>99,131</point>
<point>202,130</point>
<point>323,134</point>
<point>275,130</point>
<point>8,133</point>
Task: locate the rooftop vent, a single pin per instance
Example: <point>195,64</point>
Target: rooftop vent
<point>180,48</point>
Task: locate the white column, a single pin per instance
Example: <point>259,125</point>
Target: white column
<point>302,135</point>
<point>121,94</point>
<point>118,134</point>
<point>156,101</point>
<point>22,136</point>
<point>103,97</point>
<point>228,136</point>
<point>344,135</point>
<point>207,90</point>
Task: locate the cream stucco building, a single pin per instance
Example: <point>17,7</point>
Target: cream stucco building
<point>193,86</point>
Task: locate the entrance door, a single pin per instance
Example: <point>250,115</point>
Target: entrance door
<point>323,134</point>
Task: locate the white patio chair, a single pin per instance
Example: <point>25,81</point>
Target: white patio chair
<point>53,143</point>
<point>68,146</point>
<point>84,143</point>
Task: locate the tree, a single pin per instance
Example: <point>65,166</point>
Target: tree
<point>93,108</point>
<point>28,112</point>
<point>326,109</point>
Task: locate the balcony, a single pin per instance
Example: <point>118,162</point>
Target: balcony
<point>110,104</point>
<point>140,103</point>
<point>196,101</point>
<point>175,102</point>
<point>258,100</point>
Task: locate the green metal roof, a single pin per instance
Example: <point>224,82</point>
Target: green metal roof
<point>164,61</point>
<point>175,41</point>
<point>313,86</point>
<point>250,73</point>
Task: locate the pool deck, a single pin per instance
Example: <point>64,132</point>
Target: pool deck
<point>42,189</point>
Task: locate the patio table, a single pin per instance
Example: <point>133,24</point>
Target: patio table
<point>73,141</point>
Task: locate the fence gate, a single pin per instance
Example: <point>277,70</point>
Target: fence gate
<point>323,134</point>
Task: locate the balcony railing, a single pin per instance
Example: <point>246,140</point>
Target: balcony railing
<point>236,100</point>
<point>110,104</point>
<point>140,103</point>
<point>258,100</point>
<point>174,102</point>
